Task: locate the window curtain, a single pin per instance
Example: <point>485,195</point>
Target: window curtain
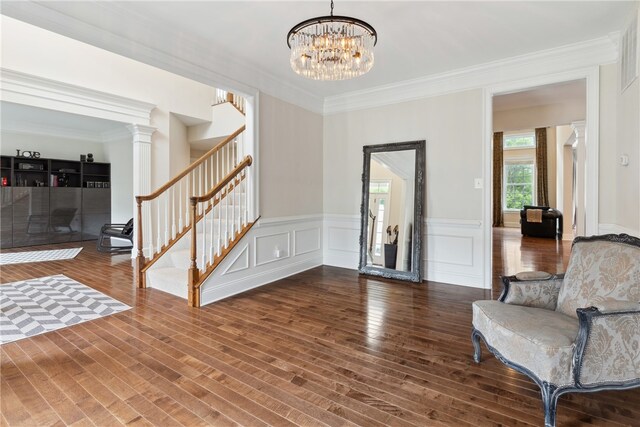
<point>498,220</point>
<point>541,167</point>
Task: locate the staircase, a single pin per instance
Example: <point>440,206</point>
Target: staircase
<point>186,227</point>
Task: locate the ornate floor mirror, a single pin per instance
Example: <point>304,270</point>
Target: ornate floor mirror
<point>391,210</point>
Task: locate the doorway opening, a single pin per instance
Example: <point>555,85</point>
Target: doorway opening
<point>539,159</point>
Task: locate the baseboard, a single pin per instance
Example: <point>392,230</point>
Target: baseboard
<point>616,229</point>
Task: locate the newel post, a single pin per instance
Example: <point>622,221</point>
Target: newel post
<point>194,274</point>
<point>139,261</point>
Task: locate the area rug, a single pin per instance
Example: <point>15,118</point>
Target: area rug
<point>32,307</point>
<point>38,256</point>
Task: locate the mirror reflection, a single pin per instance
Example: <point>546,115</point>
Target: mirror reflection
<point>391,211</point>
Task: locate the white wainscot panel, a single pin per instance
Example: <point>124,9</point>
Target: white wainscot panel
<point>453,252</point>
<point>341,240</point>
<point>456,250</point>
<point>272,247</point>
<point>241,262</point>
<point>305,241</point>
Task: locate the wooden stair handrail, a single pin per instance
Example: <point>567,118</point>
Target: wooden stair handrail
<point>194,272</point>
<point>248,160</point>
<point>189,168</point>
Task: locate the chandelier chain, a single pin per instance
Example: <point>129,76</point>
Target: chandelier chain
<point>331,7</point>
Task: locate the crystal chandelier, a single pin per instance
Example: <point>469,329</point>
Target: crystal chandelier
<point>332,47</point>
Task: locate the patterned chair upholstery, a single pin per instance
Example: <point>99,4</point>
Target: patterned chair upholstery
<point>577,332</point>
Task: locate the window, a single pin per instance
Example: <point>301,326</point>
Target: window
<point>519,140</point>
<point>518,184</point>
<point>379,187</point>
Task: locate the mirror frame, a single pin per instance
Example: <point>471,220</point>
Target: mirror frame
<point>415,275</point>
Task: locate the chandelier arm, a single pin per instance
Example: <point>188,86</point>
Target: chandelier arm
<point>332,18</point>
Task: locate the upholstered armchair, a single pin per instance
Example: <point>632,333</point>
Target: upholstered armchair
<point>577,332</point>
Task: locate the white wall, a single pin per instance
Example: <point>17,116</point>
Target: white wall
<point>50,147</point>
<point>119,154</point>
<point>290,159</point>
<point>452,126</point>
<point>182,152</point>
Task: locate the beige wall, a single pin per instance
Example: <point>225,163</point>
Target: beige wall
<point>538,116</point>
<point>290,159</point>
<point>608,141</point>
<point>450,124</point>
<point>628,177</point>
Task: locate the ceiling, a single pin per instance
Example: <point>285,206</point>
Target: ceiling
<point>415,39</point>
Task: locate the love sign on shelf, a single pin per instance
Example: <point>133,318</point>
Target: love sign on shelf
<point>28,154</point>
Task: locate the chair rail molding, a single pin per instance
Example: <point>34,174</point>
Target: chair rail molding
<point>27,89</point>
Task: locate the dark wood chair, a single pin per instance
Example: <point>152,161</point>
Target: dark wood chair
<point>115,231</point>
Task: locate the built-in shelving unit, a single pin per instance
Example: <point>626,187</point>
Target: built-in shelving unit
<point>52,200</point>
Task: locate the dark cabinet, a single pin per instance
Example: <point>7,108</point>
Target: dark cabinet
<point>96,211</point>
<point>30,216</point>
<point>52,201</point>
<point>6,218</point>
<point>65,224</point>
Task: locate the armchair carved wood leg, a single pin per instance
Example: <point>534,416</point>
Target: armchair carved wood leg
<point>550,403</point>
<point>475,339</point>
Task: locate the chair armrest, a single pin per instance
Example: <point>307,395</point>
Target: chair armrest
<point>608,346</point>
<point>532,293</point>
<point>108,226</point>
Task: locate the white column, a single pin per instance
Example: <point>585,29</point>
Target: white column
<point>141,171</point>
<point>581,177</point>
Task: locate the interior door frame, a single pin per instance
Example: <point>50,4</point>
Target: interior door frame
<point>591,75</point>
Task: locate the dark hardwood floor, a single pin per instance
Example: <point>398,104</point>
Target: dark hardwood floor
<point>324,347</point>
<point>513,253</point>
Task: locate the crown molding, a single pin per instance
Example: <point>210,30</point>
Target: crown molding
<point>22,88</point>
<point>600,51</point>
<point>191,59</point>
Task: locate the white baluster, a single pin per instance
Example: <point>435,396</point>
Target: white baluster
<point>203,250</point>
<point>246,196</point>
<point>226,217</point>
<point>180,200</point>
<point>159,229</point>
<point>218,241</point>
<point>210,247</point>
<point>233,208</point>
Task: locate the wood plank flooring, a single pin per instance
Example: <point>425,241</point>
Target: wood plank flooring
<point>513,253</point>
<point>323,348</point>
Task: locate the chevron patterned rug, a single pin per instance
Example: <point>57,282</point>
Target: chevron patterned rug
<point>38,256</point>
<point>35,306</point>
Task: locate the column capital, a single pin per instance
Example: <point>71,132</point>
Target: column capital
<point>579,128</point>
<point>141,133</point>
